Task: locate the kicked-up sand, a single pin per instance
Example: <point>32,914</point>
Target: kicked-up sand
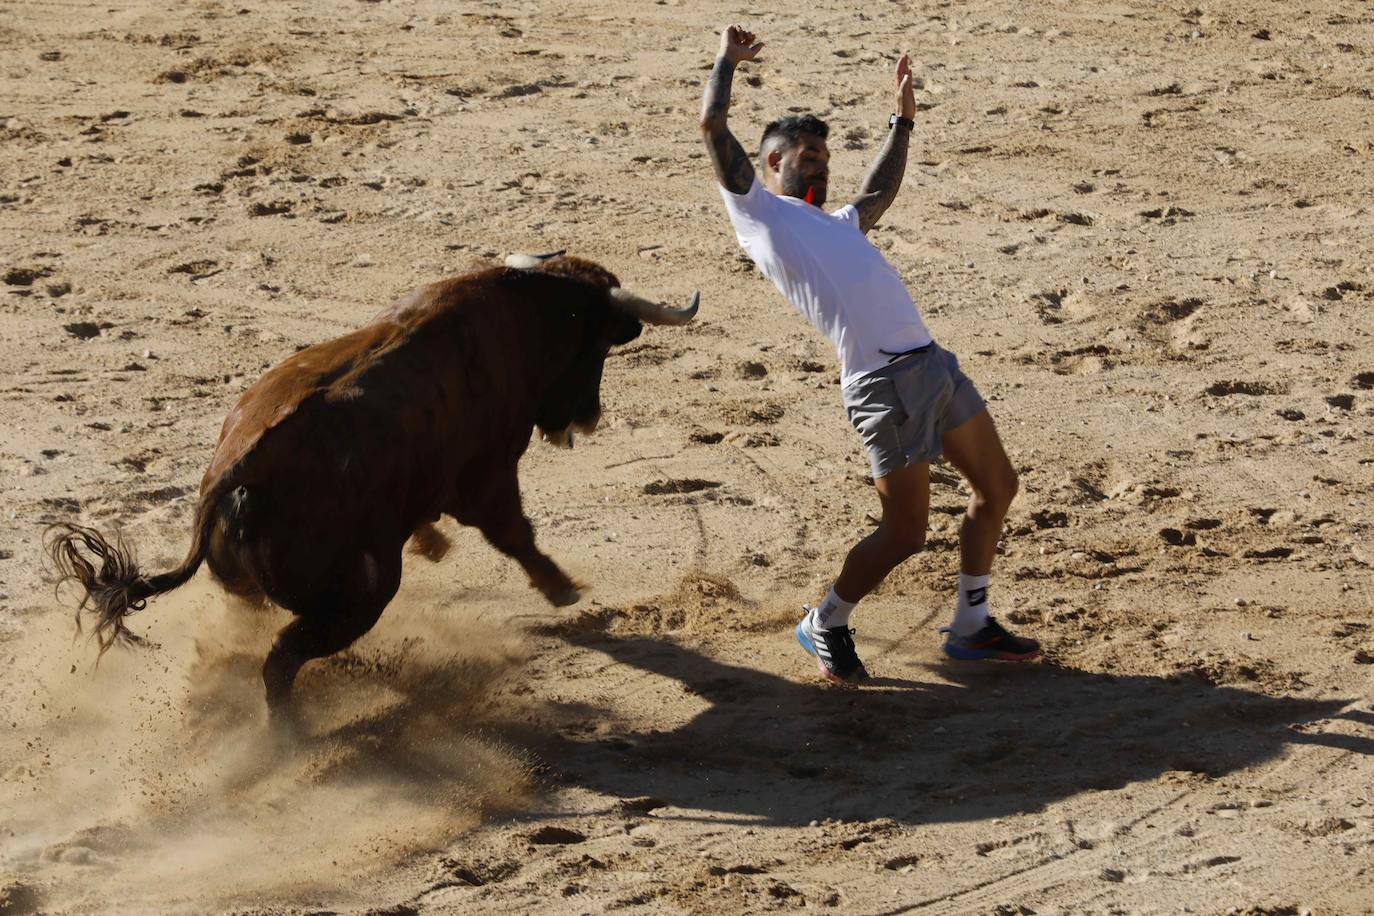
<point>1146,231</point>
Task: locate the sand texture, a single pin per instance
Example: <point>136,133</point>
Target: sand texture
<point>1145,229</point>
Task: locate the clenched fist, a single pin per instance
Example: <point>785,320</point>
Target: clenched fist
<point>737,43</point>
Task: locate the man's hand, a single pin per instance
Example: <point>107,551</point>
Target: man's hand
<point>881,184</point>
<point>737,44</point>
<point>906,95</point>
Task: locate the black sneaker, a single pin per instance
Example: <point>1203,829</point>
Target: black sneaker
<point>992,641</point>
<point>833,648</point>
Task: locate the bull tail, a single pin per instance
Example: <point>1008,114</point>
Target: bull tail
<point>115,588</point>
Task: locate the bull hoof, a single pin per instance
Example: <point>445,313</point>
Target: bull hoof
<point>285,732</point>
<point>566,598</point>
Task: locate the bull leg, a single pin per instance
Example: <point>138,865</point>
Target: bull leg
<point>514,536</point>
<point>227,565</point>
<point>498,514</point>
<point>325,624</point>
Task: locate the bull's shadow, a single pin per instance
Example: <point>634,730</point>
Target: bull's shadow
<point>1002,739</point>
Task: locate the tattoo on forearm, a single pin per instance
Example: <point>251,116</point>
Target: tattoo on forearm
<point>733,168</point>
<point>716,102</point>
<point>732,165</point>
<point>883,179</point>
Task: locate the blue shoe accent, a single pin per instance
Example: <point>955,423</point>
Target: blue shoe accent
<point>803,638</point>
<point>964,654</point>
<point>991,642</point>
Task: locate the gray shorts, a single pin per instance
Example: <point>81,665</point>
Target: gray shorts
<point>903,411</point>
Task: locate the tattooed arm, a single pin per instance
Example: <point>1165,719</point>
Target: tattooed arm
<point>885,177</point>
<point>732,165</point>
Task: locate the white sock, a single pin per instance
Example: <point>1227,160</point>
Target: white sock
<point>833,611</point>
<point>971,610</point>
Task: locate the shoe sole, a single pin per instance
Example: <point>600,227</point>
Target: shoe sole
<point>978,655</point>
<point>810,647</point>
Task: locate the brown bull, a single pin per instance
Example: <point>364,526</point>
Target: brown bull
<point>337,456</point>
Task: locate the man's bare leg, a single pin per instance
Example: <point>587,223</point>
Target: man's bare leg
<point>975,449</point>
<point>905,498</point>
<point>824,631</point>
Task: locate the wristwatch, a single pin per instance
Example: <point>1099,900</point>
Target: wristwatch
<point>896,119</point>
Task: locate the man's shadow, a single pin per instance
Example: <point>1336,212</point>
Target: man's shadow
<point>1001,739</point>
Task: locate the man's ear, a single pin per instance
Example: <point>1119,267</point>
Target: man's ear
<point>774,159</point>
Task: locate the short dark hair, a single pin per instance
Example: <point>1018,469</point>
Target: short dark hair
<point>790,129</point>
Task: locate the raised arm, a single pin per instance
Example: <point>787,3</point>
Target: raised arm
<point>732,165</point>
<point>885,177</point>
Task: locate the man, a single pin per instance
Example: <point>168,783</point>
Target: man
<point>904,394</point>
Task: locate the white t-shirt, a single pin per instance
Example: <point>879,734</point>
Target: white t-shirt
<point>829,271</point>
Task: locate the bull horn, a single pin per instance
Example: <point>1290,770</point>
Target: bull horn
<point>530,261</point>
<point>654,312</point>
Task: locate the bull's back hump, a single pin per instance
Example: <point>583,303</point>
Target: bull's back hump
<point>276,399</point>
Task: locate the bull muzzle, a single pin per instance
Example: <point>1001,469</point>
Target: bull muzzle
<point>559,438</point>
<point>563,438</point>
<point>651,312</point>
<point>588,426</point>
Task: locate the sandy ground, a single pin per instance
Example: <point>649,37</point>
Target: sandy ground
<point>1144,227</point>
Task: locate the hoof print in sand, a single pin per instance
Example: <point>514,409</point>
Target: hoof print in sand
<point>19,899</point>
<point>1254,389</point>
<point>1047,305</point>
<point>1046,518</point>
<point>1268,553</point>
<point>197,270</point>
<point>1171,309</point>
<point>752,413</point>
<point>466,874</point>
<point>1176,538</point>
<point>762,439</point>
<point>275,208</point>
<point>23,276</point>
<point>556,836</point>
<point>644,805</point>
<point>86,330</point>
<point>686,485</point>
<point>750,370</point>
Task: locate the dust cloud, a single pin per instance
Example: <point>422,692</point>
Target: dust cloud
<point>155,770</point>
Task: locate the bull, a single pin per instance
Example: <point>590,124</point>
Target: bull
<point>337,456</point>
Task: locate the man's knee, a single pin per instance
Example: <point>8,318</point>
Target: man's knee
<point>906,538</point>
<point>999,489</point>
<point>1011,484</point>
